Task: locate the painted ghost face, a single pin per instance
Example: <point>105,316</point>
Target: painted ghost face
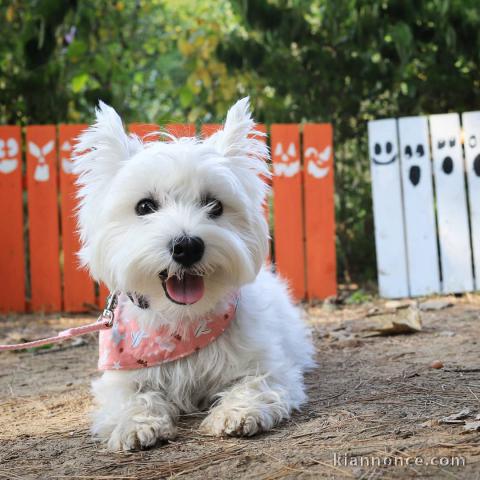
<point>473,144</point>
<point>445,146</point>
<point>383,153</point>
<point>8,155</point>
<point>318,163</point>
<point>285,160</point>
<point>414,153</point>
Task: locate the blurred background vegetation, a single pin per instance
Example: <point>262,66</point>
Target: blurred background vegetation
<point>341,61</point>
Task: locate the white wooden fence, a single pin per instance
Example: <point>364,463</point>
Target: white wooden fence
<point>426,203</point>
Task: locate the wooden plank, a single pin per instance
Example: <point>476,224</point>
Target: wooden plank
<point>471,145</point>
<point>453,230</point>
<point>208,129</point>
<point>319,199</point>
<point>12,253</point>
<point>181,129</point>
<point>287,206</point>
<point>78,287</point>
<point>43,218</point>
<point>147,132</point>
<point>388,208</point>
<point>420,227</point>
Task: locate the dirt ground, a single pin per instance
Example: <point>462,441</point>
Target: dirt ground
<point>374,400</point>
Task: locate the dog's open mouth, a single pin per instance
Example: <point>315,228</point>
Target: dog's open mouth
<point>185,290</point>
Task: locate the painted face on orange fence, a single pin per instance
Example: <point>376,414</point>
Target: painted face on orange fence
<point>40,153</point>
<point>318,163</point>
<point>8,155</point>
<point>65,150</point>
<point>286,162</point>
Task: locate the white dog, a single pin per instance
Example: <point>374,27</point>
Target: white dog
<point>178,227</point>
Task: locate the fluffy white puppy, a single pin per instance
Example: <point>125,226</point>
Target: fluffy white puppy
<point>181,223</point>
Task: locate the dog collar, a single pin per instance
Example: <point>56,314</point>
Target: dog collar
<point>129,346</point>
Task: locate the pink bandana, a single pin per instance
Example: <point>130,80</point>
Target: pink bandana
<point>128,346</point>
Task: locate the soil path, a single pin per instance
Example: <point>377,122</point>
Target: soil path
<point>372,400</point>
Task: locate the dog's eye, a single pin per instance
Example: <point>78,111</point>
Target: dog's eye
<point>215,207</point>
<point>146,206</point>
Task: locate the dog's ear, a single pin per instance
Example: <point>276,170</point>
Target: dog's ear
<point>103,147</point>
<point>239,141</point>
<point>98,155</point>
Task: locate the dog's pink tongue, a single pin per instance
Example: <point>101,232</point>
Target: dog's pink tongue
<point>187,290</point>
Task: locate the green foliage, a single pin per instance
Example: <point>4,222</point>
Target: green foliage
<point>349,61</point>
<point>343,61</point>
<point>154,60</point>
<point>358,297</point>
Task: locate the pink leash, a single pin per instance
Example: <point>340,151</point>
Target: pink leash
<point>104,322</point>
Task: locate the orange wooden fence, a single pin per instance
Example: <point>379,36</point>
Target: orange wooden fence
<point>39,269</point>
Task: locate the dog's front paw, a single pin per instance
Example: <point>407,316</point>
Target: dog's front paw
<point>141,432</point>
<point>222,422</point>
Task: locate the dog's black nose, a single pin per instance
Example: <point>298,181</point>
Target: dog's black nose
<point>187,250</point>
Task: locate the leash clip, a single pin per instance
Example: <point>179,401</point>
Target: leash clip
<point>108,314</point>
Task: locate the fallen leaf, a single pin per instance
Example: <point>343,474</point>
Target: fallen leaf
<point>403,321</point>
<point>429,423</point>
<point>447,333</point>
<point>340,335</point>
<point>399,304</point>
<point>472,426</point>
<point>435,305</point>
<point>456,417</point>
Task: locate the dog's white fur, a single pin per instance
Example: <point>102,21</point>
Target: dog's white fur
<point>251,377</point>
